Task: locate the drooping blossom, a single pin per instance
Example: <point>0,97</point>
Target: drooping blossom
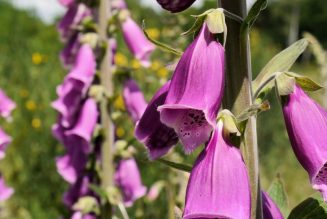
<point>68,54</point>
<point>157,137</point>
<point>118,4</point>
<point>219,185</point>
<point>134,100</point>
<point>75,86</point>
<point>73,17</point>
<point>5,191</point>
<point>136,41</point>
<point>6,105</point>
<point>79,189</point>
<point>306,123</point>
<point>4,141</point>
<point>66,3</point>
<point>79,215</point>
<point>175,5</point>
<point>128,179</point>
<point>196,91</point>
<point>269,208</point>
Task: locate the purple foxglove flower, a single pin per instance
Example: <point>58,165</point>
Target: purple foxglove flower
<point>68,54</point>
<point>71,165</point>
<point>79,189</point>
<point>175,5</point>
<point>113,46</point>
<point>128,179</point>
<point>75,86</point>
<point>73,17</point>
<point>66,3</point>
<point>4,141</point>
<point>134,100</point>
<point>136,41</point>
<point>157,137</point>
<point>79,215</point>
<point>5,191</point>
<point>270,209</point>
<point>6,105</point>
<point>80,135</point>
<point>196,91</point>
<point>118,4</point>
<point>306,124</point>
<point>218,186</point>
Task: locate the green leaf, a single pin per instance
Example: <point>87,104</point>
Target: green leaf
<point>311,208</point>
<point>305,82</point>
<point>178,166</point>
<point>160,45</point>
<point>278,194</point>
<point>282,62</point>
<point>253,14</point>
<point>99,191</point>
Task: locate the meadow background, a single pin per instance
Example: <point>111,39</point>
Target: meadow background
<point>30,70</point>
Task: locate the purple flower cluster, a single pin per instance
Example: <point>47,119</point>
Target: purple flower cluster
<point>77,112</point>
<point>6,107</point>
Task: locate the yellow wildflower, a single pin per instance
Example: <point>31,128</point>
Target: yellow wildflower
<point>23,93</point>
<point>155,65</point>
<point>162,73</point>
<point>136,64</point>
<point>119,103</point>
<point>37,58</point>
<point>36,123</point>
<point>120,132</point>
<point>120,59</point>
<point>30,105</point>
<point>153,33</point>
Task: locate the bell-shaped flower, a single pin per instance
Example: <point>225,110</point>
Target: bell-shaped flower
<point>134,100</point>
<point>6,105</point>
<point>79,189</point>
<point>68,54</point>
<point>175,5</point>
<point>157,137</point>
<point>118,4</point>
<point>128,179</point>
<point>72,165</point>
<point>81,134</point>
<point>5,191</point>
<point>75,86</point>
<point>4,141</point>
<point>73,17</point>
<point>66,3</point>
<point>306,124</point>
<point>80,215</point>
<point>269,208</point>
<point>136,41</point>
<point>219,185</point>
<point>196,91</point>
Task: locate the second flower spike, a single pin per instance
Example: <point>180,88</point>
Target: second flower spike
<point>196,91</point>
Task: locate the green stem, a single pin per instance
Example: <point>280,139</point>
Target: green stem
<point>238,95</point>
<point>107,169</point>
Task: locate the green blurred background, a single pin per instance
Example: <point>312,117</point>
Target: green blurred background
<point>30,71</point>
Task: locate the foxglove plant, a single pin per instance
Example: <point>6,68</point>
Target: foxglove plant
<point>196,91</point>
<point>6,105</point>
<point>4,141</point>
<point>269,208</point>
<point>156,136</point>
<point>136,41</point>
<point>219,185</point>
<point>5,191</point>
<point>306,123</point>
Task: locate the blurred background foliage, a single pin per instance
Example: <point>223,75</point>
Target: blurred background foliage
<point>30,71</point>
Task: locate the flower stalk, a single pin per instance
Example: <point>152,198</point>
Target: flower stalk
<point>238,94</point>
<point>107,124</point>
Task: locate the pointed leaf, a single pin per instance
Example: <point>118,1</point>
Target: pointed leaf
<point>196,26</point>
<point>305,82</point>
<point>253,14</point>
<point>282,62</point>
<point>160,45</point>
<point>253,110</point>
<point>277,192</point>
<point>314,208</point>
<point>178,166</point>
